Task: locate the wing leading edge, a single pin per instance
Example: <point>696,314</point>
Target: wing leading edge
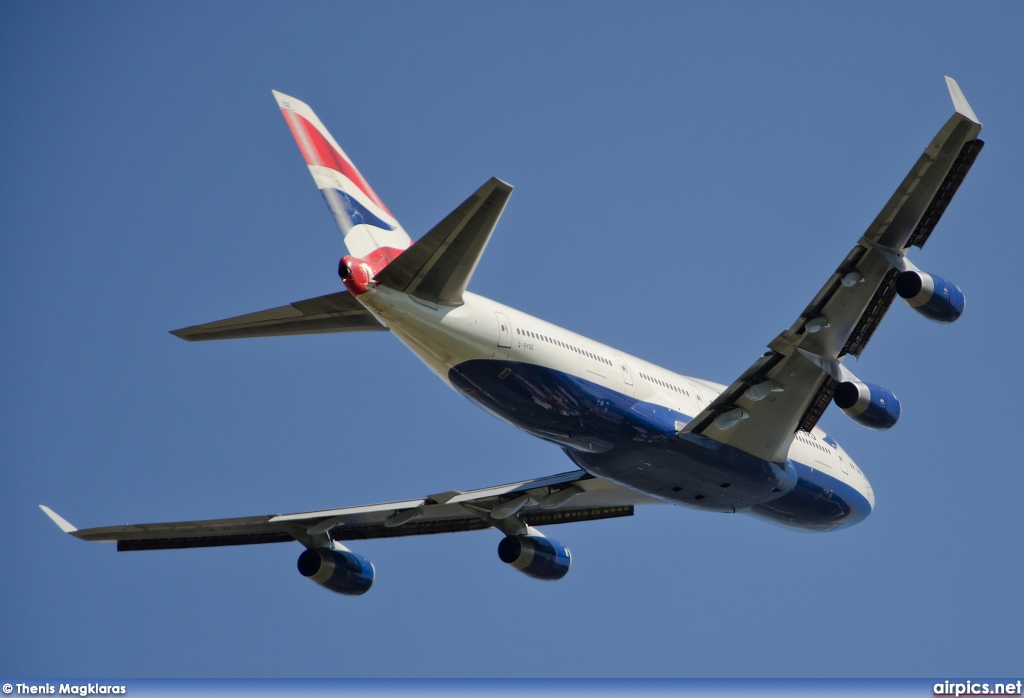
<point>789,387</point>
<point>564,498</point>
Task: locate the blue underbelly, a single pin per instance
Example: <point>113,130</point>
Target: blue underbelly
<point>569,410</point>
<point>818,502</point>
<point>635,444</point>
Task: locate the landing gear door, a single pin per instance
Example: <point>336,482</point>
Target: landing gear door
<point>627,377</point>
<point>504,330</point>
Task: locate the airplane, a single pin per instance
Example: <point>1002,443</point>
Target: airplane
<point>637,433</point>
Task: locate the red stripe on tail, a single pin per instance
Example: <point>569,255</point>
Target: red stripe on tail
<point>318,151</point>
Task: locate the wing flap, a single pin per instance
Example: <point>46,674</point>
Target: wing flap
<point>476,523</point>
<point>335,312</point>
<point>182,542</point>
<point>955,176</point>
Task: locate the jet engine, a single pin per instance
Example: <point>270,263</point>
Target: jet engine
<point>930,295</point>
<point>868,404</point>
<point>541,558</point>
<point>340,571</point>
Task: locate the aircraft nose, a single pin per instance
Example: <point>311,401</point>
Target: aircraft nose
<point>863,485</point>
<point>862,503</point>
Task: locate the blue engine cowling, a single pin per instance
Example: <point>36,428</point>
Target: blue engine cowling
<point>337,570</point>
<point>541,558</point>
<point>868,404</point>
<point>930,295</point>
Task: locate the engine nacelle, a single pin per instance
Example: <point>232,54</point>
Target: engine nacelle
<point>930,295</point>
<point>541,558</point>
<point>338,570</point>
<point>868,404</point>
<point>356,274</point>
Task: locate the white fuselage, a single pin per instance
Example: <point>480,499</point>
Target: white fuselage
<point>480,329</point>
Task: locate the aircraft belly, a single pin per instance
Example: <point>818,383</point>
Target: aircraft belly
<point>560,407</point>
<point>819,502</point>
<point>635,444</point>
<point>619,438</point>
<point>693,472</point>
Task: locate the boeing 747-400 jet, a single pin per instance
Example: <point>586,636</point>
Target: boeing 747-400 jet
<point>637,433</point>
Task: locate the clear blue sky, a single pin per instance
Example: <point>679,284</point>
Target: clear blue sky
<point>686,177</point>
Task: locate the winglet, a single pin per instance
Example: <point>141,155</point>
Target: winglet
<point>61,522</point>
<point>959,101</point>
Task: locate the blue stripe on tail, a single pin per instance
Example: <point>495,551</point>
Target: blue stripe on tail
<point>349,213</point>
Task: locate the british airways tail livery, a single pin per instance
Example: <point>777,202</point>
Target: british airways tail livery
<point>637,433</point>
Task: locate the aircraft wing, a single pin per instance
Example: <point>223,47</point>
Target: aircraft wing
<point>335,312</point>
<point>789,387</point>
<point>564,498</point>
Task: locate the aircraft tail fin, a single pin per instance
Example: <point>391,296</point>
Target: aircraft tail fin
<point>370,230</point>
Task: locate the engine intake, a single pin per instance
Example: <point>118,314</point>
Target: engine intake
<point>868,404</point>
<point>541,558</point>
<point>340,571</point>
<point>930,295</point>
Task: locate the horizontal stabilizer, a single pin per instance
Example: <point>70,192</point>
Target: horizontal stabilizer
<point>437,268</point>
<point>336,312</point>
